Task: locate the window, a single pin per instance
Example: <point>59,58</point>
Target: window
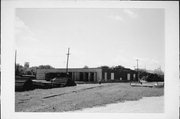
<point>134,76</point>
<point>128,76</point>
<point>105,76</point>
<point>112,76</point>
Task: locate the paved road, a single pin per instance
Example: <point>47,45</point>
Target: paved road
<point>145,105</point>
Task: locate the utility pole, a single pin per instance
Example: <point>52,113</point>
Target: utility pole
<point>67,61</point>
<point>137,70</point>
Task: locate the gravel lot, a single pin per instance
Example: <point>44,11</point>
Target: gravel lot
<point>80,96</point>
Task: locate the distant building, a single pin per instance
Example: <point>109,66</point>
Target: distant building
<point>92,74</point>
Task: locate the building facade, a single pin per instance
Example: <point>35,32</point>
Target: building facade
<point>92,74</point>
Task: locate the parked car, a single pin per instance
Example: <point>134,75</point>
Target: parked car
<point>60,79</point>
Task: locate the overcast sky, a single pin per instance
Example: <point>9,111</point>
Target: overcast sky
<point>95,37</point>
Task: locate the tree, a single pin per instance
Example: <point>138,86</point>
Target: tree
<point>119,67</point>
<point>19,69</point>
<point>45,67</point>
<point>26,65</point>
<point>85,67</point>
<point>104,67</point>
<point>33,70</point>
<point>158,71</point>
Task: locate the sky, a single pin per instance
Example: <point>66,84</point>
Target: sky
<point>95,36</point>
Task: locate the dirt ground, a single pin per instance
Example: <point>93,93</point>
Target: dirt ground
<point>80,96</point>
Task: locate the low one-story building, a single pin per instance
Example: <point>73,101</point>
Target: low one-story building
<point>92,74</point>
